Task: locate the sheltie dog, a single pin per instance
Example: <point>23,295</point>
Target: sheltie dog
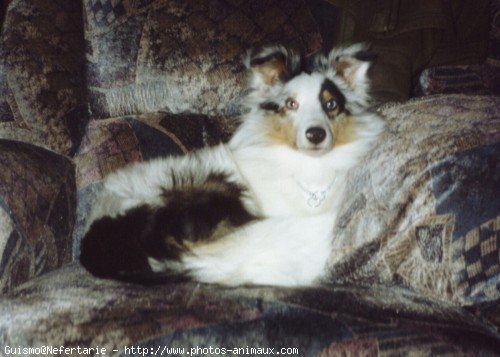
<point>260,209</point>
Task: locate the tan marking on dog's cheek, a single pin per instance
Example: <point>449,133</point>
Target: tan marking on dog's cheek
<point>334,114</point>
<point>280,130</point>
<point>344,129</point>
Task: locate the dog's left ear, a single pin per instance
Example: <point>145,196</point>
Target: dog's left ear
<point>271,65</point>
<point>352,64</point>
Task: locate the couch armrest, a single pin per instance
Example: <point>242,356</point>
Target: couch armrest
<point>42,87</point>
<point>423,210</point>
<point>37,211</point>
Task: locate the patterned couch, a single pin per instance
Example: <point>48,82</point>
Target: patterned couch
<point>86,88</point>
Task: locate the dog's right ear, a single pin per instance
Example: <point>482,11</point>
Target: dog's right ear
<point>271,65</point>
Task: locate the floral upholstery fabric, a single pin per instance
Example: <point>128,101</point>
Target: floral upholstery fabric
<point>77,310</point>
<point>424,208</point>
<point>42,93</point>
<point>37,212</point>
<point>182,56</point>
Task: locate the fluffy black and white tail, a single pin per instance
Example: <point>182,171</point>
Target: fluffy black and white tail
<point>123,246</point>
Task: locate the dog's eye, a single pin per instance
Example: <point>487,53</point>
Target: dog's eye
<point>330,105</point>
<point>292,104</point>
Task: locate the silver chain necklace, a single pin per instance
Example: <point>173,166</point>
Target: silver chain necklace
<point>315,198</point>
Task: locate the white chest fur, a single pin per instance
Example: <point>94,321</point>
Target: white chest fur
<point>285,182</point>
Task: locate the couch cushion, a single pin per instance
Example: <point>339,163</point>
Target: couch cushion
<point>424,208</point>
<point>37,210</point>
<point>70,308</point>
<point>182,56</point>
<point>42,90</point>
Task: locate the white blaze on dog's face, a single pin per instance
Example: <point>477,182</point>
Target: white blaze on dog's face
<point>310,108</point>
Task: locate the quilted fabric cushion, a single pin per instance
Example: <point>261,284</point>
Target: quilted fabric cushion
<point>182,55</point>
<point>37,210</point>
<point>42,96</point>
<point>112,143</point>
<point>72,309</point>
<point>424,208</point>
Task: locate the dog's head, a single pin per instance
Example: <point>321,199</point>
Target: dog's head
<point>308,104</point>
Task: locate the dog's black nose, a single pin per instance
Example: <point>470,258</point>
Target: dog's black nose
<point>315,134</point>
